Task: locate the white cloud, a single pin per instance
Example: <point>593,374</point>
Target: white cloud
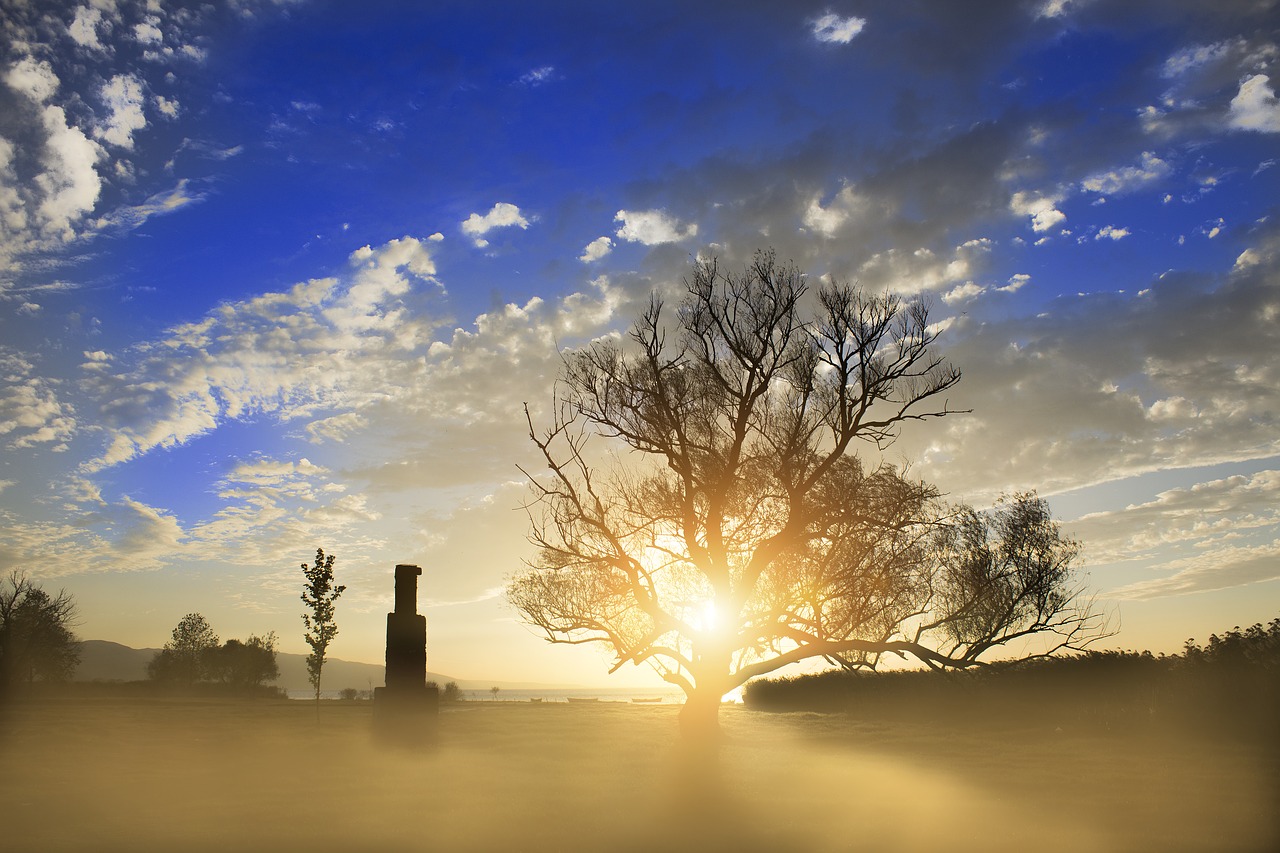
<point>1041,208</point>
<point>502,215</point>
<point>1016,281</point>
<point>168,107</point>
<point>1059,8</point>
<point>962,293</point>
<point>652,227</point>
<point>596,249</point>
<point>1255,106</point>
<point>1197,56</point>
<point>1219,568</point>
<point>69,183</point>
<point>925,270</point>
<point>824,220</point>
<point>31,412</point>
<point>84,27</point>
<point>163,202</point>
<point>538,76</point>
<point>33,78</point>
<point>1110,232</point>
<point>1128,178</point>
<point>324,345</point>
<point>833,29</point>
<point>122,96</point>
<point>148,31</point>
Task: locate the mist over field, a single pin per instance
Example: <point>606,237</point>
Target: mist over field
<point>114,774</point>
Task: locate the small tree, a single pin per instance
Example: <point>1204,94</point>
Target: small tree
<point>320,595</point>
<point>189,656</point>
<point>495,690</point>
<point>36,641</point>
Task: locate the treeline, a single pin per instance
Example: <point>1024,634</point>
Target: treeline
<point>1230,682</point>
<point>195,660</point>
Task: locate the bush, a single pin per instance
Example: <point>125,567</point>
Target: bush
<point>1229,685</point>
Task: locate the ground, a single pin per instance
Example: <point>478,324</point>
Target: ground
<point>106,773</point>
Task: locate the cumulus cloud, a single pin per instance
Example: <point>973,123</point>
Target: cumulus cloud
<point>1127,178</point>
<point>925,270</point>
<point>122,96</point>
<point>1255,106</point>
<point>652,227</point>
<point>963,293</point>
<point>1016,283</point>
<point>31,412</point>
<point>33,78</point>
<point>823,220</point>
<point>1089,390</point>
<point>833,29</point>
<point>501,215</point>
<point>1042,209</point>
<point>85,25</point>
<point>596,249</point>
<point>70,182</point>
<point>1111,232</point>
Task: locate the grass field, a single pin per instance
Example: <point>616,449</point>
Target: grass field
<point>101,773</point>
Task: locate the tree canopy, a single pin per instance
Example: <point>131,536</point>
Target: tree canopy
<point>36,640</point>
<point>744,531</point>
<point>320,594</point>
<point>188,657</point>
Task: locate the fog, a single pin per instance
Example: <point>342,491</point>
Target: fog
<point>153,774</point>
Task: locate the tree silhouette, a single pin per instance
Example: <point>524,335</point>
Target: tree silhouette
<point>36,641</point>
<point>188,657</point>
<point>320,595</point>
<point>743,533</point>
<point>246,665</point>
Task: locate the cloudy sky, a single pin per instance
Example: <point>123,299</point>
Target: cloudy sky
<point>280,275</point>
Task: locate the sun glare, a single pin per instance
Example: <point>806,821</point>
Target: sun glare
<point>706,617</point>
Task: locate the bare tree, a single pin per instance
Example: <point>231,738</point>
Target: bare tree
<point>743,533</point>
<point>320,594</point>
<point>36,640</point>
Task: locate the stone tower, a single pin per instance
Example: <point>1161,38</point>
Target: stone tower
<point>405,708</point>
<point>406,635</point>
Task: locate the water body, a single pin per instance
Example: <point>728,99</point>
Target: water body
<point>665,695</point>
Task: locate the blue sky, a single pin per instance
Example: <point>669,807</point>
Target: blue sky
<point>276,275</point>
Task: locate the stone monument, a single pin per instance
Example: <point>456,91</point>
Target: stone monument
<point>407,705</point>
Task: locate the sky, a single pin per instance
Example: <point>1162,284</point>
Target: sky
<point>281,275</point>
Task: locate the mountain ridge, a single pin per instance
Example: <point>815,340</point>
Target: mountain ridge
<point>104,660</point>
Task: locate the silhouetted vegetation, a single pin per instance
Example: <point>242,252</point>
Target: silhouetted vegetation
<point>36,641</point>
<point>193,658</point>
<point>449,694</point>
<point>188,657</point>
<point>1231,684</point>
<point>744,533</point>
<point>320,595</point>
<point>248,665</point>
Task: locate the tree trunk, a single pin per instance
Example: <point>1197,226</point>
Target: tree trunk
<point>700,716</point>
